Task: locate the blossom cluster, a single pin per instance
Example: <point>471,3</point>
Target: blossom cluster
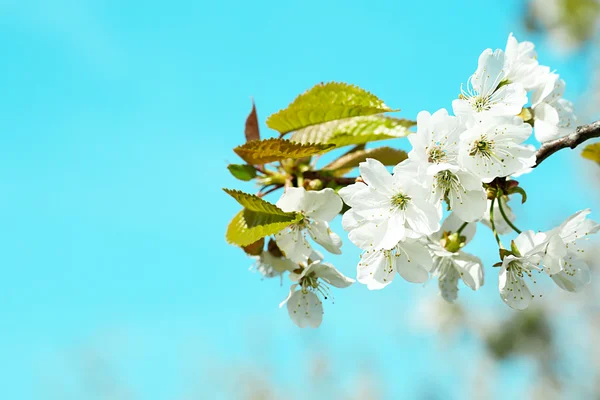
<point>462,162</point>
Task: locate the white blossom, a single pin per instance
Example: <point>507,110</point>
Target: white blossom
<point>452,264</point>
<point>435,150</point>
<point>553,116</point>
<point>270,266</point>
<point>562,254</point>
<point>488,92</point>
<point>493,147</point>
<point>304,304</point>
<point>520,63</point>
<point>410,259</point>
<point>513,288</point>
<point>317,209</point>
<point>387,208</point>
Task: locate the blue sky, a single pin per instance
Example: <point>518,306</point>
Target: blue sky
<point>117,123</point>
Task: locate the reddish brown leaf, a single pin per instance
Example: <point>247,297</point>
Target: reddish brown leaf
<point>252,132</point>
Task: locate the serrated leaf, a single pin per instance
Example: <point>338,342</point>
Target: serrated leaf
<point>358,130</point>
<point>255,203</point>
<point>592,152</point>
<point>326,102</point>
<point>251,131</point>
<point>249,226</point>
<point>269,150</point>
<point>243,172</point>
<point>258,219</point>
<point>386,155</point>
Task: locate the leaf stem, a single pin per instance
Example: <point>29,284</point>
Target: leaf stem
<point>505,217</point>
<point>463,226</point>
<point>263,194</point>
<point>493,224</point>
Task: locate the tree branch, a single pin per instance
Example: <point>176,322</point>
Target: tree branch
<point>328,178</point>
<point>581,134</point>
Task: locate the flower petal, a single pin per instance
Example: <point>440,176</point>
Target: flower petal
<point>470,269</point>
<point>448,282</point>
<point>513,289</point>
<point>376,176</point>
<point>413,262</point>
<point>321,234</point>
<point>331,275</point>
<point>305,309</point>
<point>375,269</point>
<point>293,244</point>
<point>575,275</point>
<point>323,205</point>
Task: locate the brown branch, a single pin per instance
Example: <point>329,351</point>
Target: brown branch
<point>581,134</point>
<point>328,178</point>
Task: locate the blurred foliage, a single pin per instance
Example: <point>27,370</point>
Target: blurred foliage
<point>572,21</point>
<point>592,152</point>
<point>526,332</point>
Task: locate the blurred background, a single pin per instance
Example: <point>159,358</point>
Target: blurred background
<point>117,123</point>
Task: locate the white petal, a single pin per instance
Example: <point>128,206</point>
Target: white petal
<point>469,206</point>
<point>555,252</point>
<point>575,276</point>
<point>305,309</point>
<point>490,72</point>
<point>413,262</point>
<point>321,234</point>
<point>292,290</point>
<point>331,275</point>
<point>513,289</point>
<point>375,269</point>
<point>423,217</point>
<point>452,223</point>
<point>470,269</point>
<point>292,199</point>
<point>577,226</point>
<point>546,123</point>
<point>347,193</point>
<point>278,264</point>
<point>463,109</point>
<point>376,176</point>
<point>323,205</point>
<point>448,282</point>
<point>508,100</point>
<point>293,244</point>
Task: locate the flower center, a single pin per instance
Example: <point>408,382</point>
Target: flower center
<point>311,282</point>
<point>483,147</point>
<point>400,201</point>
<point>436,155</point>
<point>520,269</point>
<point>447,181</point>
<point>480,103</point>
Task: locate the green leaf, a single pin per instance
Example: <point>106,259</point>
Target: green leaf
<point>265,151</point>
<point>358,130</point>
<point>386,155</point>
<point>592,152</point>
<point>326,102</point>
<point>258,219</point>
<point>243,172</point>
<point>249,226</point>
<point>252,132</point>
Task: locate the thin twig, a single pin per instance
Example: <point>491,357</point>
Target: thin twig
<point>263,194</point>
<point>581,134</point>
<point>328,178</point>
